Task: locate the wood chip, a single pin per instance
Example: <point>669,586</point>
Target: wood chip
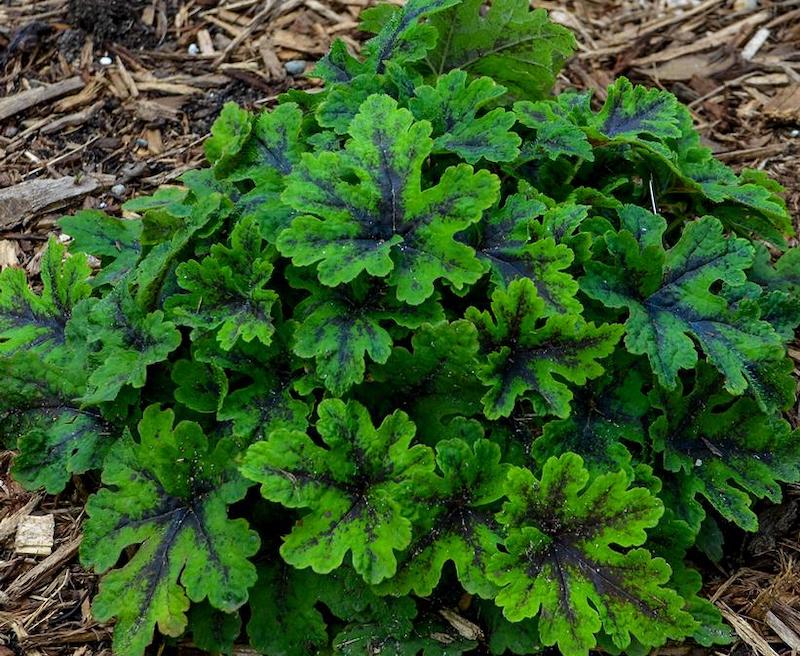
<point>784,105</point>
<point>35,535</point>
<point>8,525</point>
<point>786,634</point>
<point>746,631</point>
<point>26,99</point>
<point>48,566</point>
<point>27,198</point>
<point>72,120</point>
<point>9,254</point>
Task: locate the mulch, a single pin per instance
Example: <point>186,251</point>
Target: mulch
<point>101,100</point>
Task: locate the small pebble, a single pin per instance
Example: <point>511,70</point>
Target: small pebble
<point>11,131</point>
<point>118,190</point>
<point>106,61</point>
<point>295,66</point>
<point>194,49</point>
<point>142,143</point>
<point>794,133</point>
<point>102,205</point>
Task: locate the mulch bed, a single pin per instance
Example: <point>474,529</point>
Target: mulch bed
<point>101,100</point>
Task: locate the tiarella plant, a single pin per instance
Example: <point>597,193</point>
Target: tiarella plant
<point>431,361</point>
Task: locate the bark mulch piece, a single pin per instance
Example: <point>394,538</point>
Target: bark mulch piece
<point>100,93</point>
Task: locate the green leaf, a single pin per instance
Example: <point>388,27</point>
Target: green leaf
<point>606,417</point>
<point>55,442</point>
<point>338,327</point>
<point>634,112</point>
<point>117,242</point>
<point>212,630</point>
<point>201,387</point>
<point>354,488</point>
<point>504,636</point>
<point>128,339</point>
<point>528,354</point>
<point>670,298</point>
<point>508,245</point>
<point>516,47</point>
<point>560,565</point>
<point>556,135</point>
<point>434,380</point>
<point>169,495</point>
<point>227,290</point>
<point>36,323</point>
<point>456,523</point>
<point>338,65</point>
<point>732,450</point>
<point>385,224</point>
<point>403,38</point>
<point>283,618</point>
<point>452,108</point>
<point>229,133</point>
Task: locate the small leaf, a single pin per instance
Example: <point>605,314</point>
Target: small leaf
<point>116,241</point>
<point>169,495</point>
<point>403,38</point>
<point>434,380</point>
<point>227,290</point>
<point>560,565</point>
<point>556,135</point>
<point>283,618</point>
<point>33,323</point>
<point>452,108</point>
<point>523,356</point>
<point>128,340</point>
<point>339,327</point>
<point>228,135</point>
<point>606,417</point>
<point>354,488</point>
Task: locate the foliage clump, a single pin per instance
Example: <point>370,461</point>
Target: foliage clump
<point>432,361</point>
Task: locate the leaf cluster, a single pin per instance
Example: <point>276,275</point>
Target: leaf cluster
<point>432,361</point>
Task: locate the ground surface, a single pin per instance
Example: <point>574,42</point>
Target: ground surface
<point>139,83</point>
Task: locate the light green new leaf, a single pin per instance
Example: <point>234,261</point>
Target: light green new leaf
<point>452,108</point>
<point>229,133</point>
<point>227,290</point>
<point>516,47</point>
<point>385,224</point>
<point>128,340</point>
<point>354,487</point>
<point>338,327</point>
<point>567,561</point>
<point>457,523</point>
<point>669,296</point>
<point>36,323</point>
<point>117,242</point>
<point>728,446</point>
<point>168,496</point>
<point>527,356</point>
